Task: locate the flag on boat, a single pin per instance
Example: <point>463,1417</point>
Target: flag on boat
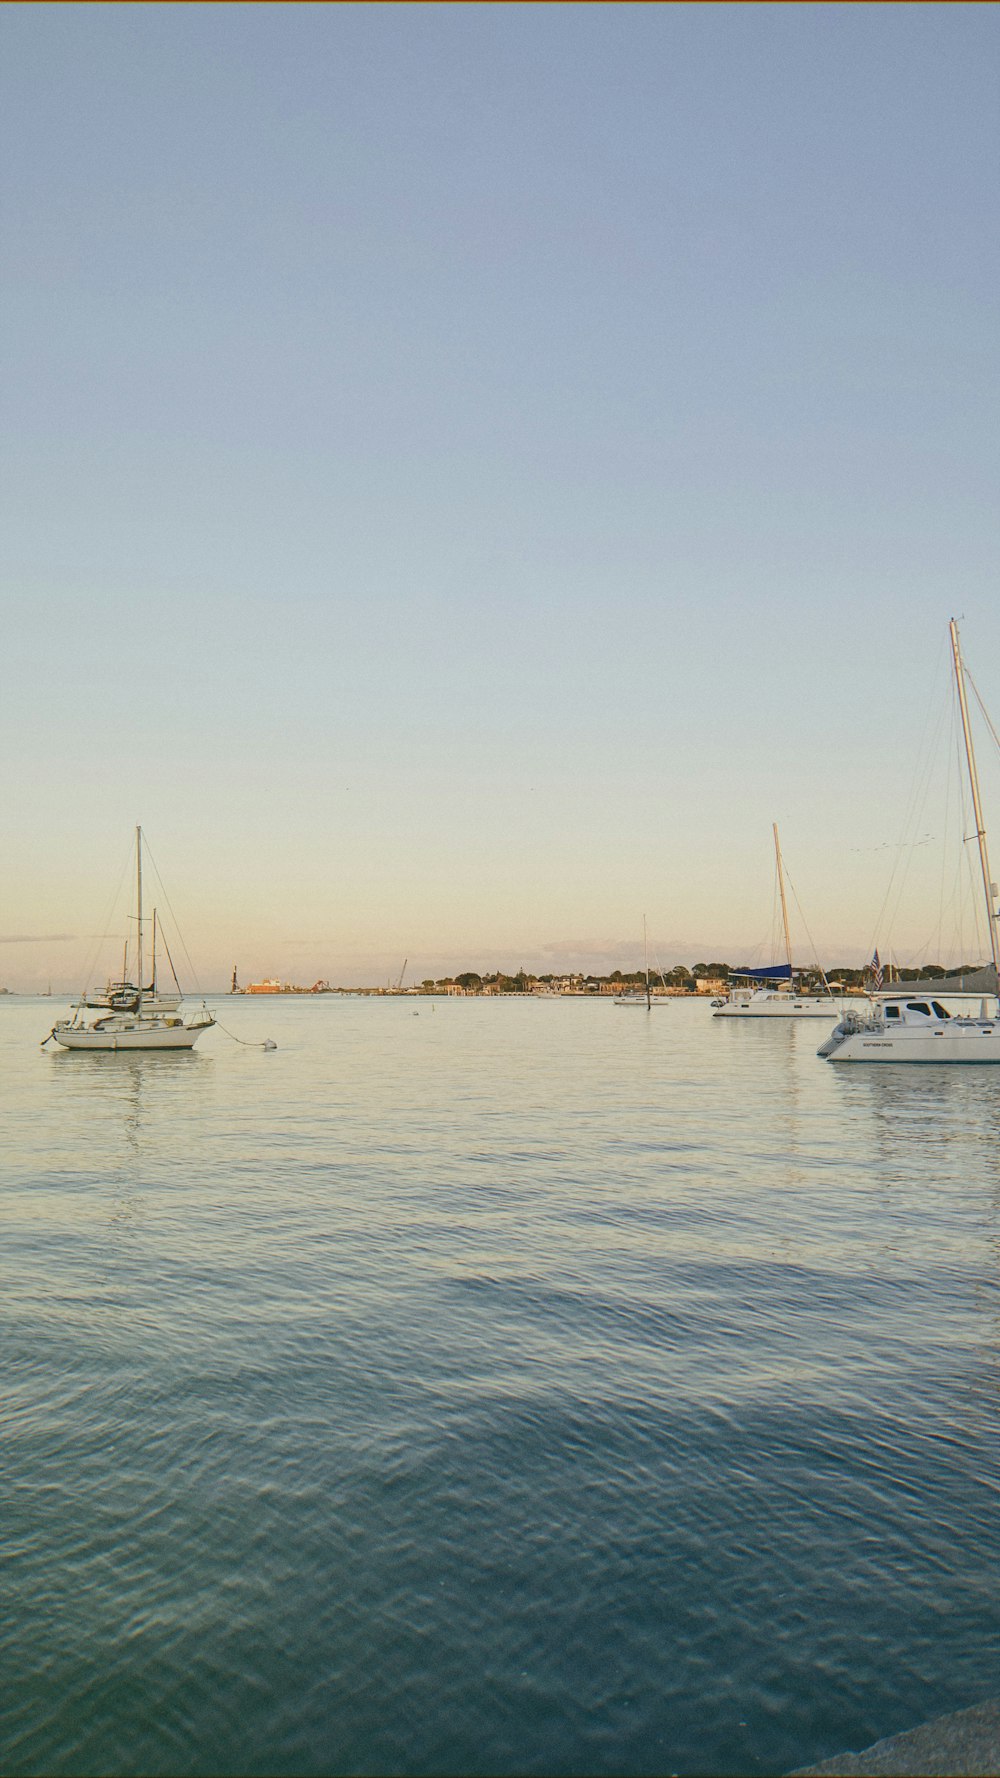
<point>875,971</point>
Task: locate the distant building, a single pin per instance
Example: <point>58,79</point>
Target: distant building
<point>271,986</point>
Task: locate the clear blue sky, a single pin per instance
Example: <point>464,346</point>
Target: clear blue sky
<point>467,470</point>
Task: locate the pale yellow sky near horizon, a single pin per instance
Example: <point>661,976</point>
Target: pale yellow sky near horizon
<point>473,469</point>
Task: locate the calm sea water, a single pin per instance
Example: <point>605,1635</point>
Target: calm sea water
<point>510,1388</point>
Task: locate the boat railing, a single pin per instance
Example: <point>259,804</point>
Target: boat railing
<point>852,1022</point>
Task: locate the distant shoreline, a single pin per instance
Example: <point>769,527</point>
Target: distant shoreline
<point>676,984</point>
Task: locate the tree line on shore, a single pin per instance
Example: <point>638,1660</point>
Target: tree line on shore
<point>679,979</point>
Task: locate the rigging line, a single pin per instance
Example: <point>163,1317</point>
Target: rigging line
<point>963,893</point>
<point>966,860</point>
<point>919,952</point>
<point>659,969</point>
<point>973,890</point>
<point>106,932</point>
<point>805,924</point>
<point>173,916</point>
<point>946,846</point>
<point>170,960</point>
<point>775,895</point>
<point>920,785</point>
<point>985,713</point>
<point>927,745</point>
<point>918,806</point>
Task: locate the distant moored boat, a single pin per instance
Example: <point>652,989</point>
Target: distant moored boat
<point>770,992</point>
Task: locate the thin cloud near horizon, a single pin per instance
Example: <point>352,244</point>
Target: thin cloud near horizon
<point>31,938</point>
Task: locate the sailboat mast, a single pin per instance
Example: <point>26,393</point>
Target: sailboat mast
<point>138,906</point>
<point>645,964</point>
<point>784,903</point>
<point>152,973</point>
<point>977,807</point>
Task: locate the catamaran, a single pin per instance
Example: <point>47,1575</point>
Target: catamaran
<point>770,992</point>
<point>133,1017</point>
<point>907,1021</point>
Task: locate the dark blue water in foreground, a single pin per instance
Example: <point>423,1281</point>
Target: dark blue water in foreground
<point>520,1388</point>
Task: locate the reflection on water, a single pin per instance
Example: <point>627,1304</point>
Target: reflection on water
<point>526,1388</point>
<point>950,1113</point>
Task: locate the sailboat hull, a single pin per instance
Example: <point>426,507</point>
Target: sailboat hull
<point>954,1040</point>
<point>777,1006</point>
<point>153,1037</point>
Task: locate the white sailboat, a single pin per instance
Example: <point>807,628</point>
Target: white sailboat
<point>907,1021</point>
<point>642,997</point>
<point>770,992</point>
<point>132,1018</point>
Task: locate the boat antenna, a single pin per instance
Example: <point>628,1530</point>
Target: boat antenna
<point>784,903</point>
<point>977,808</point>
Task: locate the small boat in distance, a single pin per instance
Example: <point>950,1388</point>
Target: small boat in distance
<point>642,997</point>
<point>123,995</point>
<point>770,993</point>
<point>133,1018</point>
<point>907,1021</point>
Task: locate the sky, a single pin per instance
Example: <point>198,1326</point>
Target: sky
<point>467,471</point>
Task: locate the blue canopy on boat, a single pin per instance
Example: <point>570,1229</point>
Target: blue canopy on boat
<point>774,972</point>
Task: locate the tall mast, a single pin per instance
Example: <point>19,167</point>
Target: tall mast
<point>152,973</point>
<point>645,964</point>
<point>977,807</point>
<point>138,906</point>
<point>784,904</point>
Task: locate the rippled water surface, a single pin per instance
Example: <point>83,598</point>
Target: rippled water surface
<point>503,1388</point>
